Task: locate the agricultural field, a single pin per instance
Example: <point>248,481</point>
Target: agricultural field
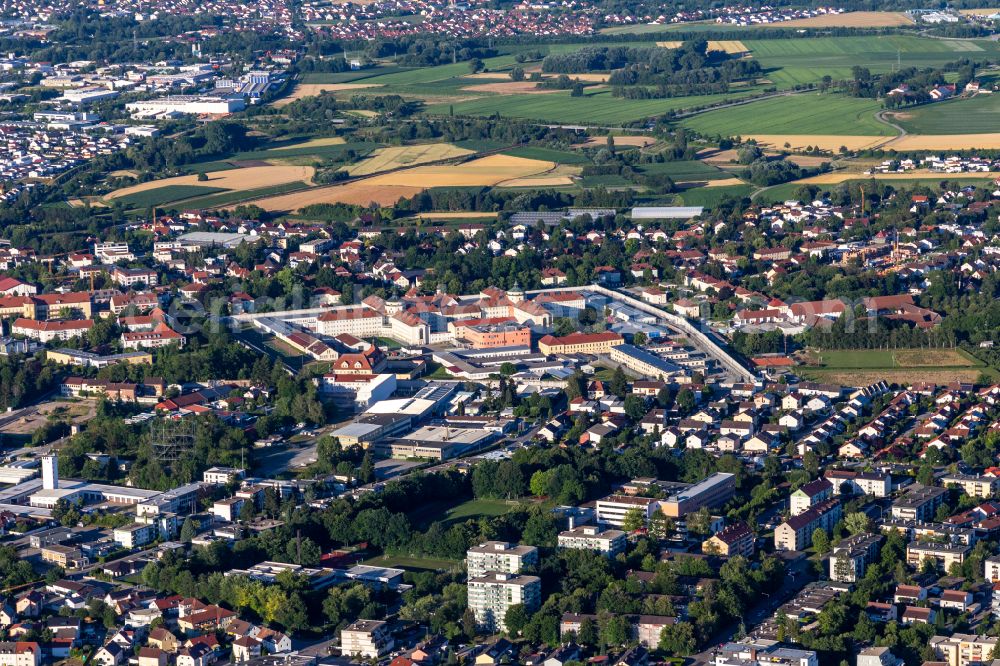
<point>801,114</point>
<point>394,157</point>
<point>302,90</point>
<point>848,20</point>
<point>239,180</point>
<point>594,107</point>
<point>683,171</point>
<point>794,61</point>
<point>859,367</point>
<point>978,114</point>
<point>159,196</point>
<point>547,154</point>
<point>387,188</point>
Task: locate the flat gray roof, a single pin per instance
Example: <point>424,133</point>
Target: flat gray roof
<point>666,212</point>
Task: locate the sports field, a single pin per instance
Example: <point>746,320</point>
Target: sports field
<point>394,157</point>
<point>979,114</point>
<point>803,114</point>
<point>902,366</point>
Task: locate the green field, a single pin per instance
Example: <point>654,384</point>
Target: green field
<point>448,513</point>
<point>786,191</point>
<point>548,154</point>
<point>711,196</point>
<point>595,107</point>
<point>229,197</point>
<point>807,113</point>
<point>791,61</point>
<point>163,195</point>
<point>416,562</point>
<point>685,170</point>
<point>978,115</point>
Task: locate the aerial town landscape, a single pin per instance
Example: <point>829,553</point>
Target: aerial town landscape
<point>427,333</point>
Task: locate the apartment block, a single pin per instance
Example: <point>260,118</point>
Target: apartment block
<point>499,556</point>
<point>492,595</point>
<point>963,649</point>
<point>809,495</point>
<point>796,532</point>
<point>943,555</point>
<point>920,503</point>
<point>369,639</point>
<point>612,509</point>
<point>851,557</point>
<point>735,539</point>
<point>589,537</point>
<point>974,485</point>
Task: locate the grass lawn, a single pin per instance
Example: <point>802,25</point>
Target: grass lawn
<point>807,113</point>
<point>163,195</point>
<point>978,115</point>
<point>895,358</point>
<point>449,513</point>
<point>594,107</point>
<point>413,562</point>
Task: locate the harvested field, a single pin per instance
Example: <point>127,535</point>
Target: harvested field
<point>850,20</point>
<point>946,142</point>
<point>981,11</point>
<point>725,45</point>
<point>233,179</point>
<point>915,174</point>
<point>544,181</point>
<point>724,182</point>
<point>634,141</point>
<point>458,215</point>
<point>312,89</point>
<point>510,88</point>
<point>314,143</point>
<point>394,157</point>
<point>807,160</point>
<point>388,188</point>
<point>123,173</point>
<point>360,193</point>
<point>823,141</point>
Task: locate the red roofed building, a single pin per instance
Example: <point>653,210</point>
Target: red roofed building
<point>580,343</point>
<point>47,331</point>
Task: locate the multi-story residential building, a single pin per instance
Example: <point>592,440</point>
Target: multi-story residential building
<point>920,503</point>
<point>809,495</point>
<point>851,557</point>
<point>878,656</point>
<point>499,556</point>
<point>796,532</point>
<point>589,537</point>
<point>20,653</point>
<point>160,336</point>
<point>714,491</point>
<point>963,649</point>
<point>992,566</point>
<point>735,539</point>
<point>611,510</point>
<point>129,277</point>
<point>369,639</point>
<point>974,485</point>
<point>941,554</point>
<point>580,343</point>
<point>877,484</point>
<point>111,253</point>
<point>492,595</point>
<point>136,535</point>
<point>47,331</point>
<point>750,652</point>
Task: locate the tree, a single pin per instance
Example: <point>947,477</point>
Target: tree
<point>247,511</point>
<point>469,623</point>
<point>678,639</point>
<point>507,369</point>
<point>366,473</point>
<point>619,382</point>
<point>857,522</point>
<point>517,74</point>
<point>515,619</point>
<point>188,530</point>
<point>821,541</point>
<point>635,407</point>
<point>659,526</point>
<point>634,520</point>
<point>293,614</point>
<point>700,522</point>
<point>476,65</point>
<point>614,630</point>
<point>587,635</point>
